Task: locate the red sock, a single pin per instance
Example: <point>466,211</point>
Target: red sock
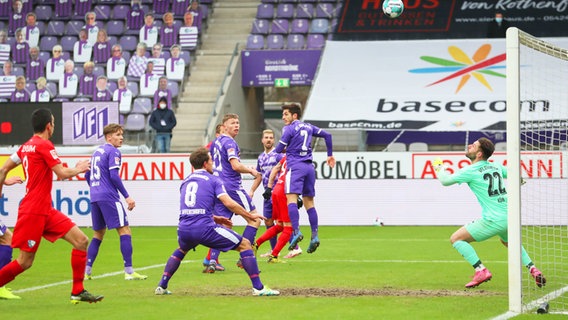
<point>9,272</point>
<point>78,264</point>
<point>209,254</point>
<point>268,234</point>
<point>282,240</point>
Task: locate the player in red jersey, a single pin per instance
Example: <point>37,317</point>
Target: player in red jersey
<point>36,216</point>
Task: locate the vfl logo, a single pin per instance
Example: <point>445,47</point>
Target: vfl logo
<point>31,243</point>
<point>465,67</point>
<point>88,123</point>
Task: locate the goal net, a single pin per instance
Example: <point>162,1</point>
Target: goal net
<point>537,127</point>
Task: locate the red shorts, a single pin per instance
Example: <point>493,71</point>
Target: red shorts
<point>279,204</point>
<point>31,227</point>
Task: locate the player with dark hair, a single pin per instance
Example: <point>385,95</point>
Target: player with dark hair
<point>36,216</point>
<point>301,176</point>
<point>107,212</point>
<point>197,225</point>
<point>486,180</point>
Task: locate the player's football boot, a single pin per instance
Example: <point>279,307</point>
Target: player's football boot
<point>85,296</point>
<point>211,268</point>
<point>88,276</point>
<point>293,253</point>
<point>134,276</point>
<point>266,255</point>
<point>265,291</point>
<point>7,294</point>
<point>273,259</point>
<point>161,291</point>
<point>240,263</point>
<point>538,277</point>
<point>296,238</point>
<point>480,277</point>
<point>314,244</point>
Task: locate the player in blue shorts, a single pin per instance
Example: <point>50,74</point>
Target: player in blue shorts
<point>301,177</point>
<point>486,180</point>
<point>5,245</point>
<point>197,224</point>
<point>106,209</point>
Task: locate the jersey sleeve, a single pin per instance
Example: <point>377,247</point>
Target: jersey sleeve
<point>219,187</point>
<point>114,160</point>
<point>47,151</point>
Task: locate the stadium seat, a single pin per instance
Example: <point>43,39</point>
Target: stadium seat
<point>43,12</point>
<point>288,1</point>
<point>52,88</point>
<point>103,12</point>
<point>55,28</point>
<point>186,56</point>
<point>142,105</point>
<point>133,86</point>
<point>44,55</point>
<point>325,10</point>
<point>115,27</point>
<point>42,26</point>
<point>81,99</point>
<point>120,11</point>
<point>285,11</point>
<point>305,10</point>
<point>73,27</point>
<point>265,11</point>
<point>112,40</point>
<point>501,146</point>
<point>421,147</point>
<point>319,26</point>
<point>300,26</point>
<point>255,42</point>
<point>18,71</point>
<point>315,41</point>
<point>279,26</point>
<point>30,87</point>
<point>78,70</point>
<point>135,122</point>
<point>396,147</point>
<point>46,43</point>
<point>99,71</point>
<point>264,1</point>
<point>174,88</point>
<point>275,42</point>
<point>68,42</point>
<point>111,85</point>
<point>60,99</point>
<point>295,42</point>
<point>128,43</point>
<point>260,26</point>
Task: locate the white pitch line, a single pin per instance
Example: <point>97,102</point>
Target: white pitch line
<point>533,304</point>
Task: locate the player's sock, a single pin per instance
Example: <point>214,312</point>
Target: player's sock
<point>282,240</point>
<point>126,250</point>
<point>92,253</point>
<point>313,218</point>
<point>9,272</point>
<point>294,215</point>
<point>214,255</point>
<point>171,267</point>
<point>525,259</point>
<point>467,251</point>
<point>78,263</point>
<point>5,255</point>
<point>273,240</point>
<point>478,266</point>
<point>209,254</point>
<point>251,267</point>
<point>250,233</point>
<point>269,234</point>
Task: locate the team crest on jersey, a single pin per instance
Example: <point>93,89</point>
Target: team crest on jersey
<point>116,160</point>
<point>54,154</point>
<point>231,151</point>
<point>31,243</point>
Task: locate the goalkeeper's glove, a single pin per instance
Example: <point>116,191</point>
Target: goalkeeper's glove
<point>267,193</point>
<point>300,202</point>
<point>438,165</point>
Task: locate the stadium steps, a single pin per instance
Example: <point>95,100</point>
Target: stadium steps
<point>228,24</point>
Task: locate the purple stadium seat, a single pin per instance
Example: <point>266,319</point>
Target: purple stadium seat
<point>135,122</point>
<point>315,41</point>
<point>103,12</point>
<point>142,105</point>
<point>44,56</point>
<point>186,56</point>
<point>204,11</point>
<point>133,86</point>
<point>60,99</point>
<point>275,41</point>
<point>68,42</point>
<point>78,70</point>
<point>126,55</point>
<point>279,26</point>
<point>120,11</point>
<point>308,1</point>
<point>41,25</point>
<point>18,71</point>
<point>260,26</point>
<point>305,10</point>
<point>81,99</point>
<point>128,43</point>
<point>299,26</point>
<point>325,10</point>
<point>255,42</point>
<point>55,28</point>
<point>30,87</point>
<point>289,1</point>
<point>65,55</point>
<point>267,1</point>
<point>111,85</point>
<point>174,88</point>
<point>319,26</point>
<point>44,12</point>
<point>73,27</point>
<point>115,27</point>
<point>285,11</point>
<point>46,43</point>
<point>99,71</point>
<point>52,88</point>
<point>295,41</point>
<point>265,11</point>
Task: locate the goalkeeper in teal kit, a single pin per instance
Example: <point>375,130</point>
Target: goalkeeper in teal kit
<point>486,180</point>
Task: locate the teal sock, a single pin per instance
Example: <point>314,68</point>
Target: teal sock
<point>467,251</point>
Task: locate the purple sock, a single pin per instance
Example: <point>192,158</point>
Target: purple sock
<point>272,240</point>
<point>126,249</point>
<point>171,267</point>
<point>251,267</point>
<point>92,253</point>
<point>313,217</point>
<point>214,255</point>
<point>5,255</point>
<point>250,233</point>
<point>294,215</point>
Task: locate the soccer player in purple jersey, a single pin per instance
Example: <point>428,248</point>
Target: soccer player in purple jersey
<point>301,176</point>
<point>197,225</point>
<point>266,161</point>
<point>226,158</point>
<point>5,245</point>
<point>107,211</point>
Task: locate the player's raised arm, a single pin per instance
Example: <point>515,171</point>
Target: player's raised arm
<point>66,173</point>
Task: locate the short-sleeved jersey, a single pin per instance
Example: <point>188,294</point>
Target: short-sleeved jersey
<point>223,150</point>
<point>103,160</point>
<point>265,163</point>
<point>282,173</point>
<point>38,156</point>
<point>486,180</point>
<point>297,137</point>
<point>198,193</point>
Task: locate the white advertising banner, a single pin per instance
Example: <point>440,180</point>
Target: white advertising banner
<point>430,85</point>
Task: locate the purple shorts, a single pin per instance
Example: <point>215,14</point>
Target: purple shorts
<point>241,197</point>
<point>3,228</point>
<point>301,179</point>
<point>215,237</point>
<point>108,214</point>
<point>267,206</point>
